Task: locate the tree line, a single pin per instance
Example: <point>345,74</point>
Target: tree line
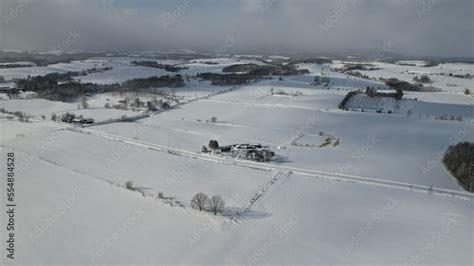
<point>459,160</point>
<point>266,70</point>
<point>62,86</point>
<point>154,64</point>
<point>228,79</point>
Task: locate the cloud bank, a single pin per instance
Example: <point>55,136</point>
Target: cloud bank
<point>418,27</point>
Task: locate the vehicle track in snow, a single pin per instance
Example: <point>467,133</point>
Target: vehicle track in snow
<point>279,177</point>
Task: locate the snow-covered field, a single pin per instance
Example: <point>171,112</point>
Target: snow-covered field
<point>438,74</point>
<point>122,74</point>
<point>23,72</point>
<point>39,107</point>
<point>380,196</point>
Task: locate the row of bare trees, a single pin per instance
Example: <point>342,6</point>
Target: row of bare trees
<point>201,202</point>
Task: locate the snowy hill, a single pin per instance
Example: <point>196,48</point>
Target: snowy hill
<point>376,193</point>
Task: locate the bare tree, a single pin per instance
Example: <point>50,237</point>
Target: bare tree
<point>22,117</point>
<point>216,204</point>
<point>214,119</point>
<point>129,185</point>
<point>213,145</point>
<point>54,117</point>
<point>199,201</point>
<point>84,103</point>
<point>422,79</point>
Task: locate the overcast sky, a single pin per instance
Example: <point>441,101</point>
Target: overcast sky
<point>412,27</point>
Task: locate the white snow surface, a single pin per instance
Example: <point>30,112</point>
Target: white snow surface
<point>365,201</point>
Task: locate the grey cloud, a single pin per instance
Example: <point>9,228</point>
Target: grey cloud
<point>421,27</point>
